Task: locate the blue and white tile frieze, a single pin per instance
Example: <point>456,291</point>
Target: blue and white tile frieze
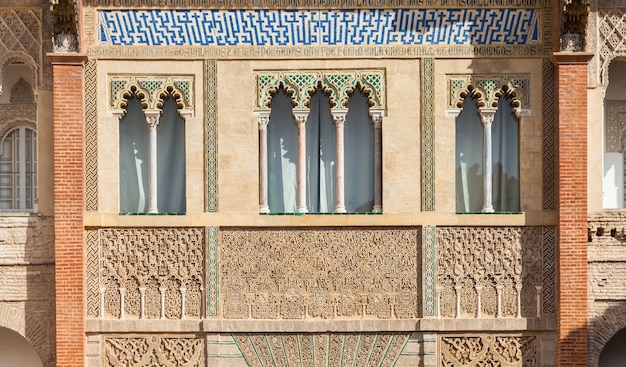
<point>319,27</point>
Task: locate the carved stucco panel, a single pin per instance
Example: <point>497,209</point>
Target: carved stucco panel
<point>153,351</point>
<point>270,274</point>
<point>488,350</point>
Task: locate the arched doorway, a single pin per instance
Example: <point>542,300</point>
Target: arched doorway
<point>15,350</point>
<point>613,354</point>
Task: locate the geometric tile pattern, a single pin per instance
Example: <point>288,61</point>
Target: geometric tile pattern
<point>211,135</point>
<point>488,89</point>
<point>262,27</point>
<point>549,136</point>
<point>428,135</point>
<point>91,136</point>
<point>339,84</point>
<point>549,270</point>
<point>92,242</point>
<point>321,349</point>
<point>612,32</point>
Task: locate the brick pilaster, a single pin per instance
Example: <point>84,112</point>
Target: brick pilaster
<point>69,251</point>
<point>572,208</point>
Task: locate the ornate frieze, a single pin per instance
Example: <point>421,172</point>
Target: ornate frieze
<point>494,271</point>
<point>146,273</point>
<point>151,90</point>
<point>488,350</point>
<point>319,4</point>
<point>339,84</point>
<point>273,274</point>
<point>324,349</point>
<point>153,351</point>
<point>488,89</point>
<point>302,27</point>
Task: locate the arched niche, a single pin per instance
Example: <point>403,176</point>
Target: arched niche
<point>16,350</point>
<point>613,354</point>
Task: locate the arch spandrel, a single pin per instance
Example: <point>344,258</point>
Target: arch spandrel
<point>487,89</point>
<point>151,90</point>
<point>339,85</point>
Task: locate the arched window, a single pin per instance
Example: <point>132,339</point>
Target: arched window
<point>487,136</point>
<point>138,161</point>
<point>18,170</point>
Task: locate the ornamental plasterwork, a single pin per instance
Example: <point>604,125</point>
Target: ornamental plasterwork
<point>146,273</point>
<point>151,90</point>
<point>287,274</point>
<point>612,32</point>
<point>488,89</point>
<point>337,84</point>
<point>153,351</point>
<point>321,349</point>
<point>20,39</point>
<point>488,350</point>
<point>490,272</point>
<point>615,126</point>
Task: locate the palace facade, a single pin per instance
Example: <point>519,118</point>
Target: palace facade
<point>312,183</point>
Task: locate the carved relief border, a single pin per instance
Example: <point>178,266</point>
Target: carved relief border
<point>212,246</point>
<point>91,136</point>
<point>549,270</point>
<point>211,136</point>
<point>549,136</point>
<point>428,135</point>
<point>153,350</point>
<point>429,266</point>
<point>321,349</point>
<point>489,349</point>
<point>302,83</point>
<point>92,240</point>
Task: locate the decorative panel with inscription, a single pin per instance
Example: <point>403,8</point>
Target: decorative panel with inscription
<point>320,273</point>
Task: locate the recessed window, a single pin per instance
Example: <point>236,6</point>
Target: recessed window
<point>18,170</point>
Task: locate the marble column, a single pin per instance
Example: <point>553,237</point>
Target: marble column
<point>301,117</point>
<point>486,117</point>
<point>339,118</point>
<point>264,119</point>
<point>152,119</point>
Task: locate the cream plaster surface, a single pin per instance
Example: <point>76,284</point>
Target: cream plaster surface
<point>45,166</point>
<point>595,150</point>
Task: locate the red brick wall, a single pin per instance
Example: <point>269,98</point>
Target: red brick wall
<point>572,209</point>
<point>68,208</point>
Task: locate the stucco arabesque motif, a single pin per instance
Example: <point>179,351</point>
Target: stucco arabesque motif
<point>321,349</point>
<point>273,274</point>
<point>151,273</point>
<point>20,41</point>
<point>488,89</point>
<point>154,351</point>
<point>612,34</point>
<point>151,90</point>
<point>490,350</point>
<point>337,84</point>
<point>498,268</point>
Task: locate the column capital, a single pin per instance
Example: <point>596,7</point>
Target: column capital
<point>572,58</point>
<point>152,118</point>
<point>301,117</point>
<point>377,118</point>
<point>263,119</point>
<point>487,116</point>
<point>339,116</point>
<point>67,58</point>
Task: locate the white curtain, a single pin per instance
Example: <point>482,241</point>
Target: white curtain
<point>282,150</point>
<point>359,156</point>
<point>469,159</point>
<point>320,156</point>
<point>171,160</point>
<point>133,159</point>
<point>505,147</point>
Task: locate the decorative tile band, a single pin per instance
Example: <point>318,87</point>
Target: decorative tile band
<point>549,136</point>
<point>212,271</point>
<point>91,136</point>
<point>429,239</point>
<point>319,27</point>
<point>211,135</point>
<point>428,135</point>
